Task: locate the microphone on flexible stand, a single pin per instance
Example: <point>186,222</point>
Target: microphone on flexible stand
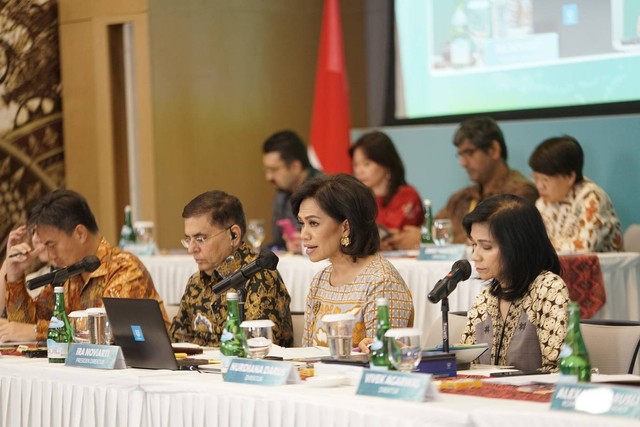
<point>266,260</point>
<point>460,271</point>
<point>87,264</point>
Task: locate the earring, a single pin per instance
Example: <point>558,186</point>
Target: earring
<point>345,241</point>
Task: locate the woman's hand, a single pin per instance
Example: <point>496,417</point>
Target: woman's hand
<point>16,331</point>
<point>407,238</point>
<point>364,345</point>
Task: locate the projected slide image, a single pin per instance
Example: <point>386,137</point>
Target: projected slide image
<point>456,57</point>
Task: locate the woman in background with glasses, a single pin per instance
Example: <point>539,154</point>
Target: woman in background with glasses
<point>214,231</point>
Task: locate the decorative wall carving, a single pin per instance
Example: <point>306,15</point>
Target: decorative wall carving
<point>31,146</point>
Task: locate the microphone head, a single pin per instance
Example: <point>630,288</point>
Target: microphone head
<point>90,263</point>
<point>267,260</point>
<point>464,267</point>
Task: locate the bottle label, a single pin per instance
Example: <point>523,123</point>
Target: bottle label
<point>376,345</point>
<point>567,379</point>
<point>57,350</point>
<point>55,323</point>
<point>226,336</point>
<point>566,351</point>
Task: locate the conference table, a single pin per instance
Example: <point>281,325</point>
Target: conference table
<point>36,393</point>
<point>620,272</point>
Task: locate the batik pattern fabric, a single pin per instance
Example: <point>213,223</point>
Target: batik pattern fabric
<point>466,200</point>
<point>378,279</point>
<point>531,335</point>
<point>202,312</point>
<point>404,208</point>
<point>120,275</point>
<point>584,222</point>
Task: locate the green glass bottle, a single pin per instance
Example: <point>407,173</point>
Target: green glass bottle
<point>232,338</point>
<point>574,359</point>
<point>379,357</point>
<point>60,333</point>
<point>426,236</point>
<point>127,234</point>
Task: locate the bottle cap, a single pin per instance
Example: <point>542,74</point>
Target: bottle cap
<point>427,202</point>
<point>232,295</point>
<point>382,301</point>
<point>58,289</point>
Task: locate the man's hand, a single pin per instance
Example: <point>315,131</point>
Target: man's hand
<point>407,238</point>
<point>19,254</point>
<point>16,331</point>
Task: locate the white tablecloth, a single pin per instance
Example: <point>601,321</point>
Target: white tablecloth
<point>35,393</point>
<point>621,273</point>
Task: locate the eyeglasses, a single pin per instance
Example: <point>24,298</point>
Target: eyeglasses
<point>200,239</point>
<point>467,153</point>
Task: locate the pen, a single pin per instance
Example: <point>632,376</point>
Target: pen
<point>18,253</point>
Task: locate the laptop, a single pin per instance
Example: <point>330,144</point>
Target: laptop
<point>138,328</point>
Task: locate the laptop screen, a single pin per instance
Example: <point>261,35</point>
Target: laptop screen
<point>138,328</point>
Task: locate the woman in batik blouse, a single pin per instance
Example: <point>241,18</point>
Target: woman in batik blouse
<point>522,313</point>
<point>577,213</point>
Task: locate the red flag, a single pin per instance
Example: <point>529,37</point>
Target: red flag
<point>330,122</point>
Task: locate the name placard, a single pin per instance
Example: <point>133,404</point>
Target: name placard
<point>396,385</point>
<point>261,372</point>
<point>442,252</point>
<point>95,356</point>
<point>597,399</point>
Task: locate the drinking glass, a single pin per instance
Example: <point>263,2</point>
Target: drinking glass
<point>442,232</point>
<point>258,337</point>
<point>340,334</point>
<point>255,233</point>
<point>79,323</point>
<point>404,348</point>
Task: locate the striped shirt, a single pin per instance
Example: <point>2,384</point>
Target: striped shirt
<point>378,279</point>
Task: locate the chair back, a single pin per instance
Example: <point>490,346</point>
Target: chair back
<point>613,345</point>
<point>297,319</point>
<point>632,238</point>
<point>457,322</point>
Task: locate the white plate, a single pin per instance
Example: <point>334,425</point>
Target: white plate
<point>465,353</point>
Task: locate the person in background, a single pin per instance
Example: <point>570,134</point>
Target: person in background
<point>483,154</point>
<point>338,217</point>
<point>578,214</point>
<point>214,230</point>
<point>66,226</point>
<point>286,166</point>
<point>377,165</point>
<point>522,314</point>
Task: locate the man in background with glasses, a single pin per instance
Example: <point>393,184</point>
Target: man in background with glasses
<point>214,230</point>
<point>482,152</point>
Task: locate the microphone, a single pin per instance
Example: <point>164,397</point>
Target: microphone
<point>266,260</point>
<point>460,271</point>
<point>89,263</point>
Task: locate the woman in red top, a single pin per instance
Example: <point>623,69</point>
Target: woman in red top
<point>376,164</point>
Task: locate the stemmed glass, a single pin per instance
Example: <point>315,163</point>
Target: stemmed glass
<point>255,233</point>
<point>404,348</point>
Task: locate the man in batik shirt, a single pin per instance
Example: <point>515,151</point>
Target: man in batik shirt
<point>214,229</point>
<point>65,224</point>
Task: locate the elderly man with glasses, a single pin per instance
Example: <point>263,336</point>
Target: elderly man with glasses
<point>214,229</point>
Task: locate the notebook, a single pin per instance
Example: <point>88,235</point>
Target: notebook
<point>138,328</point>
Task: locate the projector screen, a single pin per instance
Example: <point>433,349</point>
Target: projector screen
<point>521,58</point>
